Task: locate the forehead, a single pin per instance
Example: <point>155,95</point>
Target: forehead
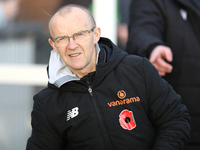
<point>73,21</point>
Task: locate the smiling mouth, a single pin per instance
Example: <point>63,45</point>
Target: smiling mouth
<point>74,55</point>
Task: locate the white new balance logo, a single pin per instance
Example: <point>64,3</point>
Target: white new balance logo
<point>72,113</point>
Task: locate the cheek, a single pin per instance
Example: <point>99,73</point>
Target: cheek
<point>90,50</point>
<point>87,47</point>
<point>62,53</point>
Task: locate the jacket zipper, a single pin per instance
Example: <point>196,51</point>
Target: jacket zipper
<point>101,124</point>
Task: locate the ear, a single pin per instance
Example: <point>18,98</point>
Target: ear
<point>97,34</point>
<point>52,44</point>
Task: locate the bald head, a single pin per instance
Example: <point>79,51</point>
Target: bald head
<point>75,9</point>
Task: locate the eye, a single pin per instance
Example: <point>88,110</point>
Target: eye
<point>79,34</point>
<point>60,39</point>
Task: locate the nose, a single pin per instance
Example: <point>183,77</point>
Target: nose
<point>72,43</point>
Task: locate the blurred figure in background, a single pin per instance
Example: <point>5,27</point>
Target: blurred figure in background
<point>122,29</point>
<point>8,11</point>
<point>168,33</point>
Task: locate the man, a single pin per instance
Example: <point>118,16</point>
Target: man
<point>168,33</point>
<point>101,98</point>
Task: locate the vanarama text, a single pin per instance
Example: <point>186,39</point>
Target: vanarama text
<point>125,101</point>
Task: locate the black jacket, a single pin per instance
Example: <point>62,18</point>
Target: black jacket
<point>176,24</point>
<point>123,105</point>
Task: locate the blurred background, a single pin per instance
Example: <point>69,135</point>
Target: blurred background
<point>24,55</point>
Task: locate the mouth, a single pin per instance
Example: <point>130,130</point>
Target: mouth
<point>74,55</point>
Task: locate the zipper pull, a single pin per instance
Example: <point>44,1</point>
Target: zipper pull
<point>90,91</point>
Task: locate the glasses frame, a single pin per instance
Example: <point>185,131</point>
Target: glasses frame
<point>89,31</point>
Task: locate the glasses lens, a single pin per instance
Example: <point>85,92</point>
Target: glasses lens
<point>81,36</point>
<point>61,41</point>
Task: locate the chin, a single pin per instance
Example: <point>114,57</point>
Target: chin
<point>78,67</point>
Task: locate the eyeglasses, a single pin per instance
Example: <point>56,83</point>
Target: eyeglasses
<point>78,37</point>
